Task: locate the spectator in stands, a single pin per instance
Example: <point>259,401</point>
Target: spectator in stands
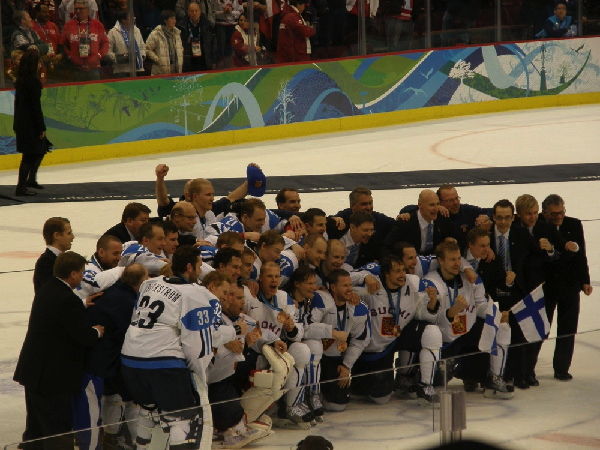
<point>240,42</point>
<point>85,43</point>
<point>28,122</point>
<point>198,40</point>
<point>47,30</point>
<point>293,43</point>
<point>207,9</point>
<point>118,38</point>
<point>399,24</point>
<point>134,216</point>
<point>558,25</point>
<point>164,47</point>
<point>52,9</point>
<point>227,13</point>
<point>24,37</point>
<point>67,10</point>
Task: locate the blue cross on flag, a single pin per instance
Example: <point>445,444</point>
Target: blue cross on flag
<point>487,341</point>
<point>531,315</point>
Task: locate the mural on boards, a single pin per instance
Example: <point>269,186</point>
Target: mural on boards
<point>126,111</point>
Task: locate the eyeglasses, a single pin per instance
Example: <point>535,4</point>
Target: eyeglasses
<point>557,213</point>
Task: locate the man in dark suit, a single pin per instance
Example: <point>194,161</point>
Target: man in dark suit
<point>512,246</point>
<point>361,199</point>
<point>425,228</point>
<point>58,237</point>
<point>567,277</point>
<point>51,362</point>
<point>548,247</point>
<point>134,216</point>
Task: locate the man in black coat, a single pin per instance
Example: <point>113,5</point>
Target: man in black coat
<point>134,216</point>
<point>361,199</point>
<point>113,311</point>
<point>51,362</point>
<point>425,228</point>
<point>59,237</point>
<point>567,277</point>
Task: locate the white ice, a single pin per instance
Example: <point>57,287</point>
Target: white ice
<point>553,416</point>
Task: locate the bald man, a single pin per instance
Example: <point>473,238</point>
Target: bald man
<point>426,228</point>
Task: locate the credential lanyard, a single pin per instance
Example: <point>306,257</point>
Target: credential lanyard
<point>450,296</point>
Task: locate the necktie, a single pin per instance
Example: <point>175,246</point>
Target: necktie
<point>429,240</point>
<point>474,263</point>
<point>352,254</point>
<point>502,250</point>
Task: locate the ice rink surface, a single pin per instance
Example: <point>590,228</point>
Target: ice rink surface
<point>553,416</point>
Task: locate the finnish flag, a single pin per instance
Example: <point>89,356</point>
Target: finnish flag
<point>487,341</point>
<point>531,315</point>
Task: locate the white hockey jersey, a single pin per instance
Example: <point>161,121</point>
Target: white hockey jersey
<point>134,252</point>
<point>223,364</point>
<point>350,318</point>
<point>389,309</point>
<point>288,263</point>
<point>95,279</point>
<point>172,326</point>
<point>474,294</point>
<point>202,226</point>
<point>265,312</point>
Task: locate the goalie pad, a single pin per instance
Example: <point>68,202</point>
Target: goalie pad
<point>267,384</point>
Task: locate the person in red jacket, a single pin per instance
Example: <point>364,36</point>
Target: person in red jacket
<point>240,42</point>
<point>85,43</point>
<point>293,43</point>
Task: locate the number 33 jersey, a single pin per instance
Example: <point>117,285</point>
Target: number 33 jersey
<point>172,326</point>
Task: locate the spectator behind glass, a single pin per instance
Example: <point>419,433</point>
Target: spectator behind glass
<point>47,30</point>
<point>52,9</point>
<point>85,43</point>
<point>164,47</point>
<point>198,41</point>
<point>240,42</point>
<point>207,9</point>
<point>24,36</point>
<point>558,25</point>
<point>118,38</point>
<point>227,13</point>
<point>293,43</point>
<point>66,10</point>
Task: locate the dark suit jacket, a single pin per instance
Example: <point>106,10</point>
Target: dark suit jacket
<point>44,269</point>
<point>520,247</point>
<point>53,355</point>
<point>112,310</point>
<point>120,232</point>
<point>537,263</point>
<point>383,225</point>
<point>410,231</point>
<point>571,268</point>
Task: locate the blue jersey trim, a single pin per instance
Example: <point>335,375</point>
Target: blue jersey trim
<point>174,363</point>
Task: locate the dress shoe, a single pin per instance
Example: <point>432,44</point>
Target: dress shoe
<point>521,384</point>
<point>563,376</point>
<point>24,192</point>
<point>533,381</point>
<point>34,185</point>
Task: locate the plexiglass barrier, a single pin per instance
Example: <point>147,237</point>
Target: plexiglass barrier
<point>126,38</point>
<point>505,413</point>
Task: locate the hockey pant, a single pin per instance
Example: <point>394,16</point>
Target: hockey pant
<point>86,412</point>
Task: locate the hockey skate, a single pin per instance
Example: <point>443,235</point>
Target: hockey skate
<point>316,406</point>
<point>495,387</point>
<point>404,386</point>
<point>295,417</point>
<point>426,395</point>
